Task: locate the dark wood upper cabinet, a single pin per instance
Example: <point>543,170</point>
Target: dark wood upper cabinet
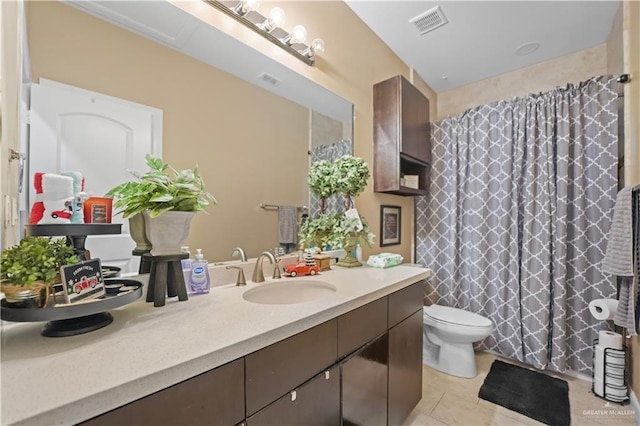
<point>401,134</point>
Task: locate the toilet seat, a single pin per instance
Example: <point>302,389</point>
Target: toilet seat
<point>453,316</point>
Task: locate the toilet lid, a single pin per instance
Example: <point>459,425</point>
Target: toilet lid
<point>457,316</point>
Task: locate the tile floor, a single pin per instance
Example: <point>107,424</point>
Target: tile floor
<point>448,400</point>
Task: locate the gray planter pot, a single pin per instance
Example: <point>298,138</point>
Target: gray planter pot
<point>167,232</point>
<point>138,232</point>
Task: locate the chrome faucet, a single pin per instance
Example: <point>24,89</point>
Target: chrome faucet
<point>243,255</point>
<point>258,273</point>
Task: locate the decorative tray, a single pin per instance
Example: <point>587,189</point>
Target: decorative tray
<point>78,318</point>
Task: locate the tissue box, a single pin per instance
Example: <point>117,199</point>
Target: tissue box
<point>384,260</point>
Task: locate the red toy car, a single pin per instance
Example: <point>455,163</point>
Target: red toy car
<point>65,214</point>
<point>301,269</point>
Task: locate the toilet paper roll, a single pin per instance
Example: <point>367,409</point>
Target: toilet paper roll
<point>614,367</point>
<point>609,339</point>
<point>603,309</point>
<point>615,392</point>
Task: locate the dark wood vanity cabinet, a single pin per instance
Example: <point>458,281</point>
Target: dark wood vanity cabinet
<point>364,384</point>
<point>401,133</point>
<point>316,402</point>
<point>405,368</point>
<point>361,368</point>
<point>279,368</point>
<point>215,397</point>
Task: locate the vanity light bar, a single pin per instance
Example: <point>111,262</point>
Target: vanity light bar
<point>309,60</point>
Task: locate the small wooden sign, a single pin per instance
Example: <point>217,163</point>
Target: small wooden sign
<point>82,281</point>
<point>323,261</point>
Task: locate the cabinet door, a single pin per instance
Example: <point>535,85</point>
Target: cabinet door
<point>415,123</point>
<point>213,398</point>
<point>317,402</point>
<point>275,370</point>
<point>364,384</point>
<point>405,367</point>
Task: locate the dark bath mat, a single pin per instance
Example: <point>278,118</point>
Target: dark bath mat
<point>536,395</point>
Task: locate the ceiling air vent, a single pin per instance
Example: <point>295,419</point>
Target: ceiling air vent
<point>429,20</point>
<point>269,79</point>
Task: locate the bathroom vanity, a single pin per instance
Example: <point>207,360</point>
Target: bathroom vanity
<point>354,356</point>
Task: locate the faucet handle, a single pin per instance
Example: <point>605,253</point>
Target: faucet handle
<point>240,281</point>
<point>276,270</point>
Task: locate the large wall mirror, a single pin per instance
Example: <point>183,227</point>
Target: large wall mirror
<point>249,123</point>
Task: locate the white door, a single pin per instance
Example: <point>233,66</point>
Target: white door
<point>103,138</point>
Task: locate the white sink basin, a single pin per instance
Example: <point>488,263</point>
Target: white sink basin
<point>288,292</point>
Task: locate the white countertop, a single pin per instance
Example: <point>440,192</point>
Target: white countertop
<point>70,379</point>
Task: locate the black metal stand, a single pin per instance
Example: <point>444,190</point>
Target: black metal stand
<point>166,278</point>
<point>76,233</point>
<point>74,326</point>
<point>614,370</point>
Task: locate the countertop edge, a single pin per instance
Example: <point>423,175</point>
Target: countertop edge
<point>139,387</point>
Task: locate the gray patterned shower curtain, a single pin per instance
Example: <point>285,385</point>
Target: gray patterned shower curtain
<point>514,227</point>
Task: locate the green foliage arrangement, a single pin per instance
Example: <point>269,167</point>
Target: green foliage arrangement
<point>346,232</point>
<point>160,192</point>
<point>35,259</point>
<point>318,231</point>
<point>347,175</point>
<point>351,175</point>
<point>321,179</point>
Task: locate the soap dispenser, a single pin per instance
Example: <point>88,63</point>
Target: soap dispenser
<point>199,281</point>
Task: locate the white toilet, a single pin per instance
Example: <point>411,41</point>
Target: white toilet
<point>449,334</point>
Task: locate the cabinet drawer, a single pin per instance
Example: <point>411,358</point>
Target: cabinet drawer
<point>217,395</point>
<point>316,402</point>
<point>275,370</point>
<point>405,302</point>
<point>361,325</point>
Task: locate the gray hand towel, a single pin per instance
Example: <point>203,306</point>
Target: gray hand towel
<point>626,314</point>
<point>287,224</point>
<point>618,258</point>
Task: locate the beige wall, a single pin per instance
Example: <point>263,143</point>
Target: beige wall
<point>354,61</point>
<point>248,143</point>
<point>631,40</point>
<point>544,76</point>
<point>75,48</point>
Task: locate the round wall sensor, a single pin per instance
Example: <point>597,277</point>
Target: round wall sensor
<point>527,48</point>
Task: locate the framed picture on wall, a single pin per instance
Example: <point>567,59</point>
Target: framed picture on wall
<point>389,225</point>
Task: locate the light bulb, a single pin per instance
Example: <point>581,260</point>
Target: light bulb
<point>316,46</point>
<point>298,34</point>
<point>276,18</point>
<point>246,6</point>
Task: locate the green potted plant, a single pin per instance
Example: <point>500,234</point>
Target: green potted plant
<point>321,182</point>
<point>350,177</point>
<point>167,199</point>
<point>318,232</point>
<point>347,175</point>
<point>29,268</point>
